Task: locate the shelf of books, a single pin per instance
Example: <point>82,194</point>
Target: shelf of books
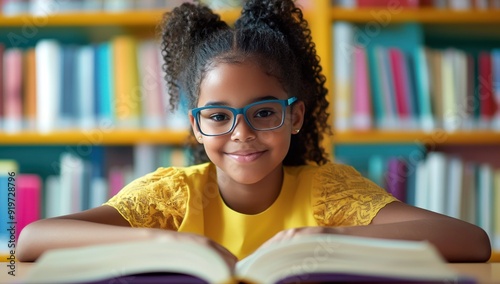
<point>96,137</point>
<point>416,102</point>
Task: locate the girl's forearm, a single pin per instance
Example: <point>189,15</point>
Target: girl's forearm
<point>457,241</point>
<point>48,234</point>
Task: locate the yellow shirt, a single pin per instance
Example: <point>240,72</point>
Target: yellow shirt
<point>188,200</point>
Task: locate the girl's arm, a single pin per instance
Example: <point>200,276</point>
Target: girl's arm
<point>458,241</point>
<point>99,225</point>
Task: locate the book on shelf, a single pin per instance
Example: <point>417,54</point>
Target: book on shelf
<point>60,86</point>
<point>310,258</point>
<point>460,5</point>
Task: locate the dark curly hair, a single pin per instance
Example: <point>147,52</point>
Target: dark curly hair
<point>272,33</point>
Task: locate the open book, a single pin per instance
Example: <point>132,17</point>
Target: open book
<point>310,258</point>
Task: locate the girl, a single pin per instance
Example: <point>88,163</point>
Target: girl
<point>258,113</point>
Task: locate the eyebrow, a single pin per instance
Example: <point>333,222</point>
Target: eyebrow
<point>222,103</point>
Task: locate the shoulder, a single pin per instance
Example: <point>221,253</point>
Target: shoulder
<point>342,196</point>
<point>168,176</point>
<point>326,171</point>
<point>159,199</point>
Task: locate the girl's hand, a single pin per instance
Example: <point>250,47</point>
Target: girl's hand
<point>228,257</point>
<point>297,232</point>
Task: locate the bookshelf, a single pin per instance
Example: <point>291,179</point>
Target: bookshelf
<point>96,136</point>
<point>441,28</point>
<point>321,15</point>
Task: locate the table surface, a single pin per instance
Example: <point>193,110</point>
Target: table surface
<point>482,272</point>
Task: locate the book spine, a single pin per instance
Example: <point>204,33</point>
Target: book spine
<point>13,63</point>
<point>28,191</point>
<point>362,113</point>
<point>48,86</point>
<point>343,34</point>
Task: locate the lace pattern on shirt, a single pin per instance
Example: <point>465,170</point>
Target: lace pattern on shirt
<point>156,200</point>
<point>345,198</point>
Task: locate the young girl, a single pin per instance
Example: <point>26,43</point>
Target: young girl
<point>258,113</point>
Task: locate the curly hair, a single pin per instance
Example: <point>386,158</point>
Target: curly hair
<point>272,33</point>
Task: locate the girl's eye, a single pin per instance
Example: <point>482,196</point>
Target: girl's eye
<point>219,117</point>
<point>264,113</point>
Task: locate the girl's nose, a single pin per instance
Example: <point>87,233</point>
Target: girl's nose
<point>242,131</point>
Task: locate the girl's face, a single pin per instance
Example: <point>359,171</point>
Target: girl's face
<point>245,155</point>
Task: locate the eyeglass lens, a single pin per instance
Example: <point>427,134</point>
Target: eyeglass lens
<point>262,116</point>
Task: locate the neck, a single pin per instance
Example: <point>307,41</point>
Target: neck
<point>251,198</point>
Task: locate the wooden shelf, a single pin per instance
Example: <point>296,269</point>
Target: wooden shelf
<point>495,256</point>
<point>424,15</point>
<point>429,138</point>
<point>95,137</point>
<point>130,18</point>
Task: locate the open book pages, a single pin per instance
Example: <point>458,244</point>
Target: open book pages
<point>311,258</point>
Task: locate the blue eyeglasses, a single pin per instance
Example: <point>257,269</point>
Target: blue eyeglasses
<point>261,116</point>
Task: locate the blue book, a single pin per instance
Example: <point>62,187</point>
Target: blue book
<point>104,84</point>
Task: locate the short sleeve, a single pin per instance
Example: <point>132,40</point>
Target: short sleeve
<point>156,200</point>
<point>341,196</point>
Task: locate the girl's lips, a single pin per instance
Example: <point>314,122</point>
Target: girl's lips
<point>246,157</point>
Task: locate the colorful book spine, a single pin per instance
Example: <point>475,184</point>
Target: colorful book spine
<point>13,63</point>
<point>29,200</point>
<point>495,64</point>
<point>127,89</point>
<point>343,34</point>
<point>486,96</point>
<point>362,113</point>
<point>423,89</point>
<point>401,98</point>
<point>29,87</point>
<point>396,178</point>
<point>48,86</point>
<point>2,115</point>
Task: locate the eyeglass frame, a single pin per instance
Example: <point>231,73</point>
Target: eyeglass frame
<point>195,112</point>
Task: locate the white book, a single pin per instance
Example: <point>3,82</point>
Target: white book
<point>485,199</point>
<point>436,163</point>
<point>343,45</point>
<point>98,192</point>
<point>118,5</point>
<point>71,183</point>
<point>48,85</point>
<point>145,159</point>
<point>496,211</point>
<point>454,188</point>
<point>85,87</point>
<point>460,4</point>
<point>469,203</point>
<point>422,185</point>
<point>53,202</point>
<point>44,7</point>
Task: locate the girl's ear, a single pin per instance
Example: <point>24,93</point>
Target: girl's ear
<point>197,134</point>
<point>298,111</point>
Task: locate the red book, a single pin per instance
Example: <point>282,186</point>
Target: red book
<point>396,58</point>
<point>28,200</point>
<point>388,3</point>
<point>487,102</point>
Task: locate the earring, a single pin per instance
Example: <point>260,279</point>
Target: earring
<point>297,131</point>
<point>199,138</point>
